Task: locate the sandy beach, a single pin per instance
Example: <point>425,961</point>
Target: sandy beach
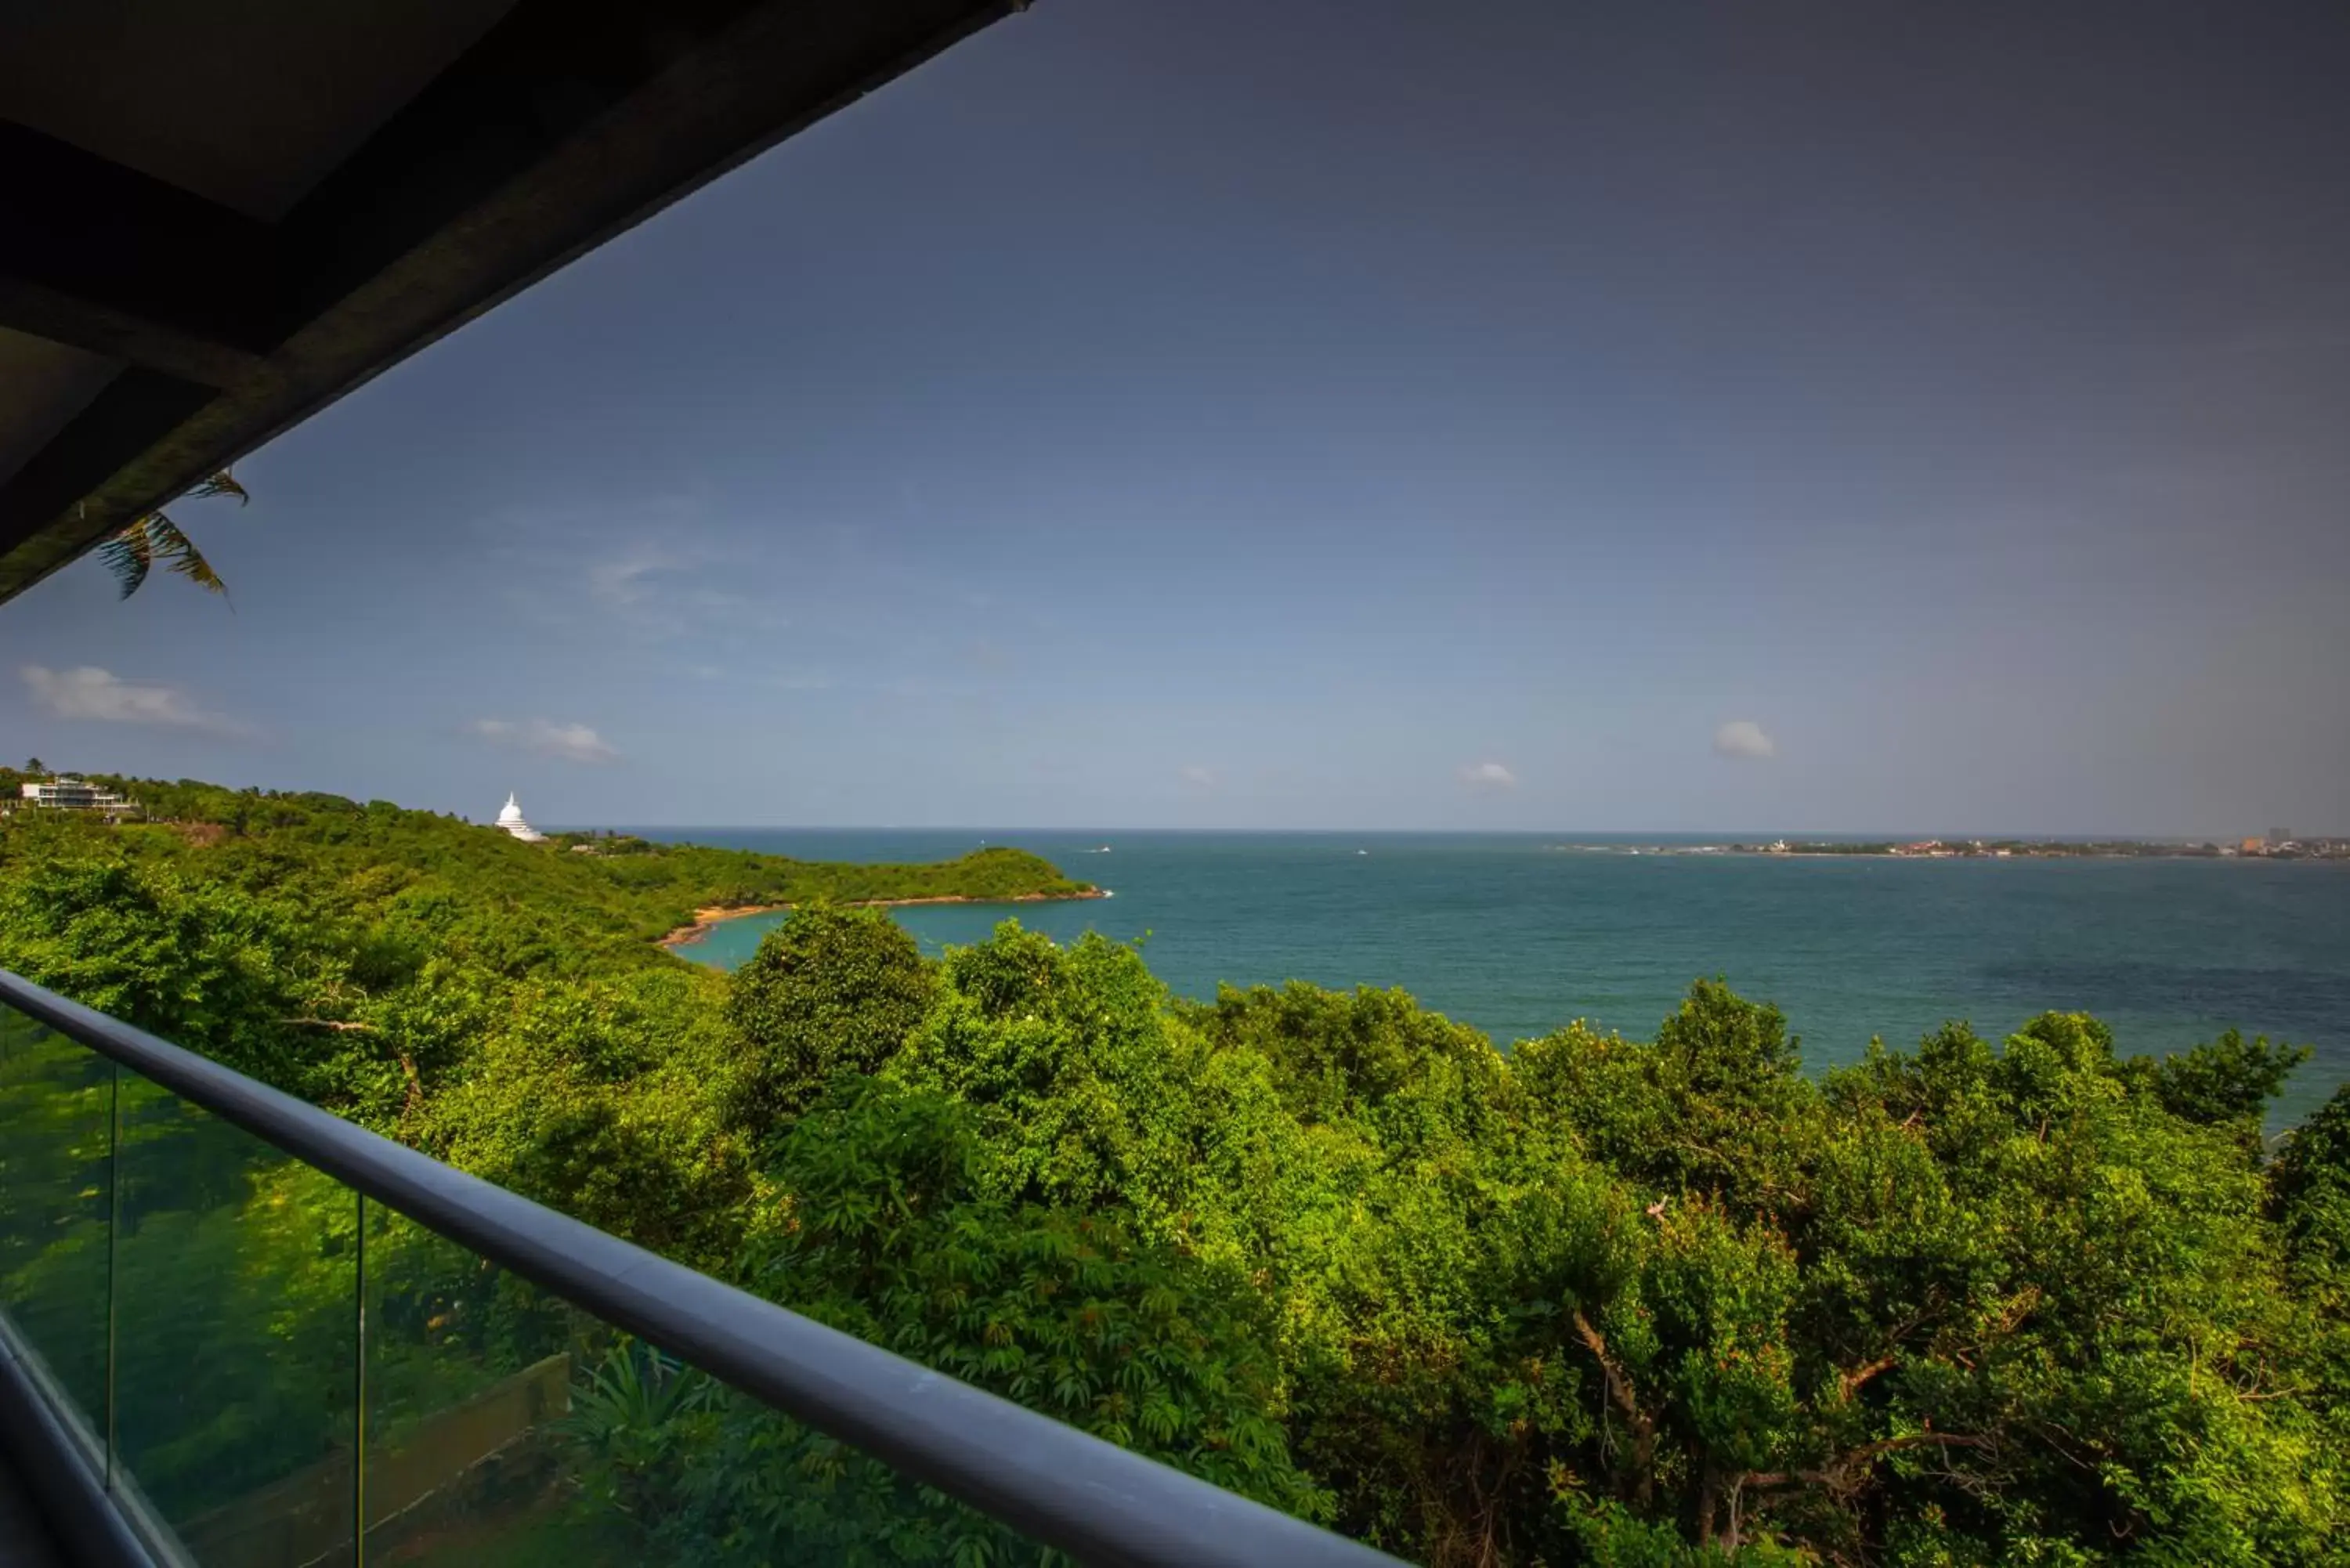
<point>703,919</point>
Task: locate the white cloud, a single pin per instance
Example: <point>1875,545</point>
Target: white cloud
<point>86,691</point>
<point>621,581</point>
<point>1200,777</point>
<point>565,743</point>
<point>681,586</point>
<point>1488,775</point>
<point>1743,739</point>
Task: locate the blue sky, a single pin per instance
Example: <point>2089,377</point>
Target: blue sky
<point>1662,417</point>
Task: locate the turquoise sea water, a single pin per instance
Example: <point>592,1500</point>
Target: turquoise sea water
<point>1517,935</point>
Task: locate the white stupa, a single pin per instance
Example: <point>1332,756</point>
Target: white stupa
<point>512,821</point>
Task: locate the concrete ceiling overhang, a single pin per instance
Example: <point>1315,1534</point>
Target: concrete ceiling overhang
<point>215,220</point>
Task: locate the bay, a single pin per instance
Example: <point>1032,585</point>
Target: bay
<point>1517,934</point>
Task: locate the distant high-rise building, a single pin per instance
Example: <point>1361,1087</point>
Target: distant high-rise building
<point>2280,836</point>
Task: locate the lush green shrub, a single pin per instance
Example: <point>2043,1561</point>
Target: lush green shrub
<point>829,990</point>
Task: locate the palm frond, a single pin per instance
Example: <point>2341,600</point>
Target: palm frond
<point>178,553</point>
<point>221,484</point>
<point>128,556</point>
<point>133,552</point>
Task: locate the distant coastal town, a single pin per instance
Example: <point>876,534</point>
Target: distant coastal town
<point>2273,845</point>
<point>2277,843</point>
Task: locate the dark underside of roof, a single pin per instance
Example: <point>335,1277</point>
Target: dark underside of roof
<point>215,220</point>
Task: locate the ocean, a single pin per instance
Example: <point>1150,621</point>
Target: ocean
<point>1517,934</point>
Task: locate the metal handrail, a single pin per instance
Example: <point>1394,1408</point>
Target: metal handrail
<point>1062,1487</point>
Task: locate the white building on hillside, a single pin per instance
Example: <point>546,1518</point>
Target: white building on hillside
<point>64,794</point>
<point>511,820</point>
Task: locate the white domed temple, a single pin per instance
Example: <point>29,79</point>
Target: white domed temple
<point>512,821</point>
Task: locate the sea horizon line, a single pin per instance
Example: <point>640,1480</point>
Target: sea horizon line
<point>1722,835</point>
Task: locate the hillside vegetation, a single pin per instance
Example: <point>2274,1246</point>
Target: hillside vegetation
<point>336,858</point>
<point>1593,1300</point>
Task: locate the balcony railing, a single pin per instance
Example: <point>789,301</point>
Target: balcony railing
<point>238,1332</point>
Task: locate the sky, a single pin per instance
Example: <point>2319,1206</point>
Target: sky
<point>1285,414</point>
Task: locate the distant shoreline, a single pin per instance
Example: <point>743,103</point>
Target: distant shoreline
<point>705,919</point>
<point>1946,849</point>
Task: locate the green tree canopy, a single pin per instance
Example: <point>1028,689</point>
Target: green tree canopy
<point>829,990</point>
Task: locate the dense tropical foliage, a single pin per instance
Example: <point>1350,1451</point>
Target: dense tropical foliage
<point>1588,1300</point>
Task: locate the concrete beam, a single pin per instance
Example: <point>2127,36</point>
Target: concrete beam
<point>568,123</point>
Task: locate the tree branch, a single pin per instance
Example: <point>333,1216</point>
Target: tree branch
<point>1620,1390</point>
<point>1850,1383</point>
<point>1841,1471</point>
